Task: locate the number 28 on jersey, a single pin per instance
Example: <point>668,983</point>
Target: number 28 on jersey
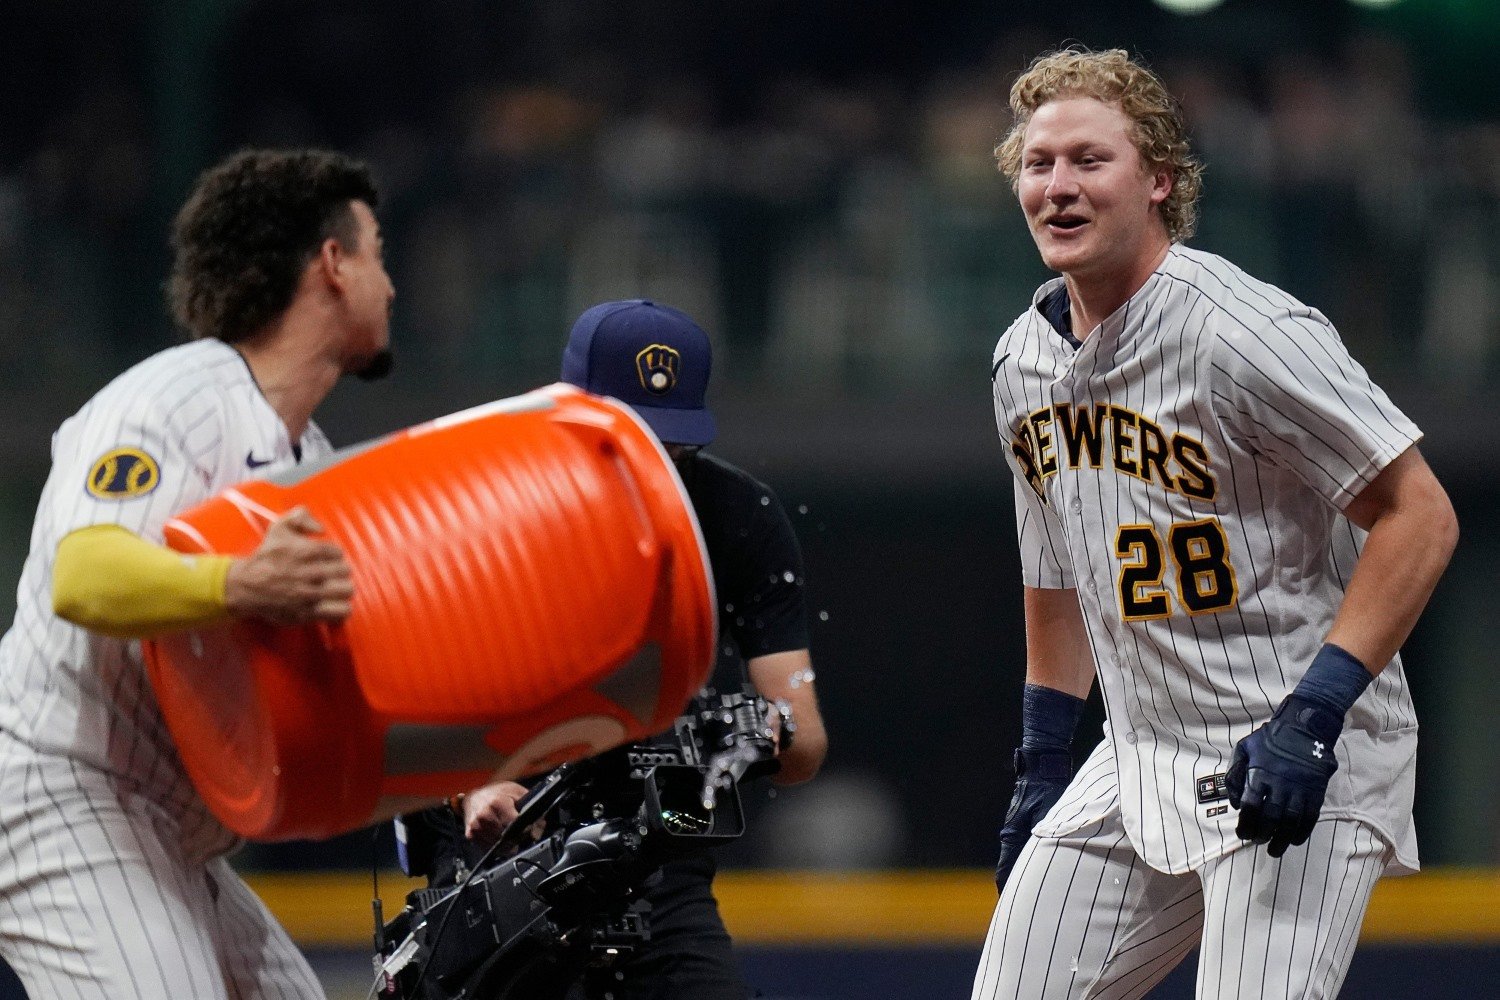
<point>1184,565</point>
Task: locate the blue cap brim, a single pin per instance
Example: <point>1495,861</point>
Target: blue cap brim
<point>674,426</point>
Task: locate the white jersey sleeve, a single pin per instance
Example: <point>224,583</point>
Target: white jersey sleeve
<point>1039,533</point>
<point>134,459</point>
<point>1292,392</point>
<point>1044,559</point>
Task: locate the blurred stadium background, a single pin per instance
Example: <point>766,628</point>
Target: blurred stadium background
<point>813,181</point>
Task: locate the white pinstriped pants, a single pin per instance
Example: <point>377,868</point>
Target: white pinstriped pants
<point>1084,917</point>
<point>98,900</point>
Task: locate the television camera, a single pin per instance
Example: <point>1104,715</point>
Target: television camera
<point>558,897</point>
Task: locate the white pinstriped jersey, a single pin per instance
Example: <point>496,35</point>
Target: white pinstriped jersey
<point>166,434</point>
<point>1184,469</point>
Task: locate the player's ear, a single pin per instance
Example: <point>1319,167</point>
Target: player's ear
<point>1161,184</point>
<point>331,263</point>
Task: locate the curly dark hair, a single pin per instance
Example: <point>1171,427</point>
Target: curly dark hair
<point>252,223</point>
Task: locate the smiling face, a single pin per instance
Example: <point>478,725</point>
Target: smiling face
<point>1090,201</point>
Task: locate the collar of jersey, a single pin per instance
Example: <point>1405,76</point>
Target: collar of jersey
<point>1057,309</point>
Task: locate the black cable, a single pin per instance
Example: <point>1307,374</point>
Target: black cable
<point>519,861</point>
<point>478,869</point>
<point>556,783</point>
<point>375,888</point>
<point>375,893</point>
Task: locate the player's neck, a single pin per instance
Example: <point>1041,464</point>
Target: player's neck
<point>293,366</point>
<point>1094,296</point>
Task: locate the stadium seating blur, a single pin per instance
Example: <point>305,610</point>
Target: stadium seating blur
<point>815,183</point>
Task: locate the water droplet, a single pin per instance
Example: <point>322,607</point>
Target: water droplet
<point>789,576</point>
<point>765,501</point>
<point>729,608</point>
<point>802,508</point>
<point>739,621</point>
<point>822,616</point>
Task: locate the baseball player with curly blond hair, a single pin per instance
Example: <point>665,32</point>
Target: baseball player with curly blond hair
<point>1229,526</point>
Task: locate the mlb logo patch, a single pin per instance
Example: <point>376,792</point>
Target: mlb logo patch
<point>1212,788</point>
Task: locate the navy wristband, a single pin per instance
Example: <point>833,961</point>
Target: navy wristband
<point>1049,718</point>
<point>1335,680</point>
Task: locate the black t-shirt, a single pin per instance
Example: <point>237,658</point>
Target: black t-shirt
<point>757,565</point>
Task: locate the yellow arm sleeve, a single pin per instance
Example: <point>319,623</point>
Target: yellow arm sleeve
<point>110,580</point>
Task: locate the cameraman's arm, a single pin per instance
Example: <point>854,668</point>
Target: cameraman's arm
<point>788,676</point>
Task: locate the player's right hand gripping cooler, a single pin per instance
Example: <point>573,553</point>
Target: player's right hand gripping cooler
<point>531,587</point>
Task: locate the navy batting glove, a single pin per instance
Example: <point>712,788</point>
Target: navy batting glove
<point>1041,778</point>
<point>1279,774</point>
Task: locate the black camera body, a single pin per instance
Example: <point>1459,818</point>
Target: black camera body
<point>569,905</point>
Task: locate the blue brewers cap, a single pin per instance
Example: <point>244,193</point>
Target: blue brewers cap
<point>653,357</point>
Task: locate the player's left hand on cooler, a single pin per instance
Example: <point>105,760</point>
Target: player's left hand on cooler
<point>1279,774</point>
<point>1041,778</point>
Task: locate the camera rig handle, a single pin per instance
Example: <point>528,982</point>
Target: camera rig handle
<point>742,741</point>
<point>540,800</point>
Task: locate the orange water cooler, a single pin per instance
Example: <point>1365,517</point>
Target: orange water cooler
<point>531,586</point>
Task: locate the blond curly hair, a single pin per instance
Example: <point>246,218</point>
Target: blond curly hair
<point>1114,78</point>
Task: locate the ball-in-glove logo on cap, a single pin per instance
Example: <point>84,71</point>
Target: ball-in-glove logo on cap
<point>656,366</point>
